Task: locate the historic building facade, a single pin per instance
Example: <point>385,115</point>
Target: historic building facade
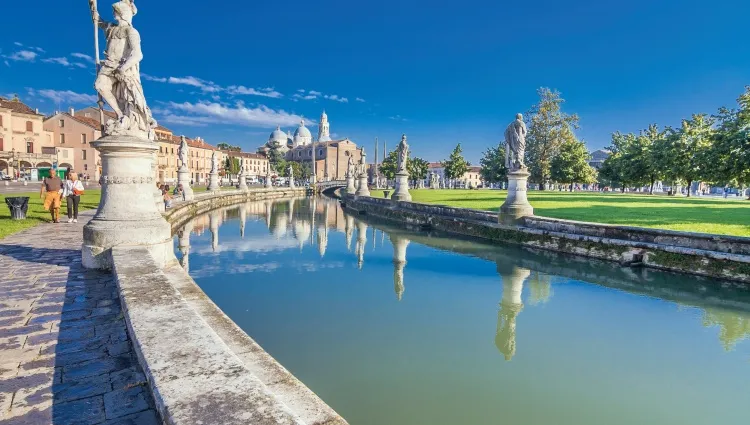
<point>26,149</point>
<point>72,136</point>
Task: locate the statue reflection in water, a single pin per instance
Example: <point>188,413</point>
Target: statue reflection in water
<point>510,305</point>
<point>361,241</point>
<point>400,244</point>
<point>184,244</point>
<point>243,219</point>
<point>348,230</point>
<point>214,220</point>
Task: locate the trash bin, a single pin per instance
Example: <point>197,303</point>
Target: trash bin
<point>386,193</point>
<point>18,206</point>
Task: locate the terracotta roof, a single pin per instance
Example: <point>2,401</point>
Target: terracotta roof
<point>88,121</point>
<point>435,165</point>
<point>162,128</point>
<point>191,143</point>
<point>17,106</point>
<point>475,169</point>
<point>245,154</point>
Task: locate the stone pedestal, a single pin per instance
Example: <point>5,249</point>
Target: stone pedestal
<point>350,189</point>
<point>127,214</point>
<point>291,182</point>
<point>243,182</point>
<point>183,178</point>
<point>158,197</point>
<point>401,192</point>
<point>516,204</point>
<point>363,190</point>
<point>213,182</point>
<point>269,183</point>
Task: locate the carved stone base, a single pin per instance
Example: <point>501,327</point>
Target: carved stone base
<point>158,197</point>
<point>127,214</point>
<point>213,182</point>
<point>291,182</point>
<point>269,182</point>
<point>401,192</point>
<point>243,182</point>
<point>516,205</point>
<point>183,178</point>
<point>363,189</point>
<point>350,188</point>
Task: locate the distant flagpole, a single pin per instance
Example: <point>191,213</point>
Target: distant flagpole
<point>100,101</point>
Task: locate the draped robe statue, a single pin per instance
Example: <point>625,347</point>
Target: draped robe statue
<point>350,167</point>
<point>515,144</point>
<point>403,154</point>
<point>182,152</point>
<point>118,80</point>
<point>214,163</point>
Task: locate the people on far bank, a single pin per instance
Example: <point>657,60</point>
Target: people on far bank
<point>51,191</point>
<point>72,191</point>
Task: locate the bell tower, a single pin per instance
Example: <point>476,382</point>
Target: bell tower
<point>324,128</point>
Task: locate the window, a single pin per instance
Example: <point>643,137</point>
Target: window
<point>1,143</point>
<point>65,153</point>
<point>62,123</point>
<point>161,149</point>
<point>29,146</point>
<point>29,126</point>
<point>1,120</point>
<point>172,150</point>
<point>62,138</point>
<point>83,154</point>
<point>83,138</point>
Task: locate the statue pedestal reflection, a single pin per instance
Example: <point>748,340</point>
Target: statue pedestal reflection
<point>510,305</point>
<point>399,262</point>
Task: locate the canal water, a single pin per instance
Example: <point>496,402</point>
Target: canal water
<point>398,327</point>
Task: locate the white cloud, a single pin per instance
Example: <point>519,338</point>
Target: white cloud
<point>23,56</point>
<point>359,99</point>
<point>64,96</point>
<point>204,113</point>
<point>80,65</point>
<point>314,93</point>
<point>206,86</point>
<point>265,92</point>
<point>152,78</point>
<point>39,49</point>
<point>397,118</point>
<point>336,98</point>
<point>301,91</point>
<point>59,61</point>
<point>82,56</point>
<point>18,44</point>
<point>305,97</point>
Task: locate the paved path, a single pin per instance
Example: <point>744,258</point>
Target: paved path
<point>65,356</point>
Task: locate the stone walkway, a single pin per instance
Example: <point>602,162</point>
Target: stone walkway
<point>65,356</point>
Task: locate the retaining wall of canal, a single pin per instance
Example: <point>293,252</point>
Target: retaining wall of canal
<point>201,367</point>
<point>725,257</point>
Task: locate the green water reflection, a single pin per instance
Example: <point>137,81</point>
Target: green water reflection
<point>392,326</point>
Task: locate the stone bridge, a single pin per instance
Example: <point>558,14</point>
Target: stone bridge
<point>329,186</point>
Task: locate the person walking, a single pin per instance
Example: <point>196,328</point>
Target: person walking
<point>51,190</point>
<point>72,191</point>
<point>167,196</point>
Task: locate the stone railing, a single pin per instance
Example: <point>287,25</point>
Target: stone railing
<point>202,367</point>
<point>725,257</point>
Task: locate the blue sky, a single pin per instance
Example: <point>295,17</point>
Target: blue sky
<point>440,72</point>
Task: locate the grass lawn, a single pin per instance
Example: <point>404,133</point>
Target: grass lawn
<point>694,214</point>
<point>36,214</point>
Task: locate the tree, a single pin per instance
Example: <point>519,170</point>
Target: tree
<point>388,166</point>
<point>232,165</point>
<point>571,165</point>
<point>418,169</point>
<point>456,166</point>
<point>730,153</point>
<point>276,158</point>
<point>493,164</point>
<point>687,152</point>
<point>227,147</point>
<point>547,126</point>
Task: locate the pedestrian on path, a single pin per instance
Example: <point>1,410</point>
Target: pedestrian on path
<point>51,190</point>
<point>72,191</point>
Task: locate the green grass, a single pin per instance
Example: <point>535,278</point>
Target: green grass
<point>694,214</point>
<point>36,214</point>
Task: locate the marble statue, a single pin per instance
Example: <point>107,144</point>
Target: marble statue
<point>403,154</point>
<point>515,140</point>
<point>118,80</point>
<point>291,172</point>
<point>182,152</point>
<point>362,162</point>
<point>214,163</point>
<point>242,169</point>
<point>350,167</point>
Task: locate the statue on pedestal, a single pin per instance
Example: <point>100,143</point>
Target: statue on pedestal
<point>362,169</point>
<point>118,79</point>
<point>515,144</point>
<point>182,153</point>
<point>350,167</point>
<point>403,155</point>
<point>242,169</point>
<point>214,163</point>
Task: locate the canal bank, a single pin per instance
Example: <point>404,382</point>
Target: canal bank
<point>725,257</point>
<point>199,365</point>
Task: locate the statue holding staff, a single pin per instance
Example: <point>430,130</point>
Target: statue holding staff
<point>118,79</point>
<point>515,144</point>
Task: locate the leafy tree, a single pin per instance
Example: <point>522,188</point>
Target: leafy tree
<point>418,169</point>
<point>388,166</point>
<point>493,164</point>
<point>276,158</point>
<point>730,153</point>
<point>231,165</point>
<point>456,166</point>
<point>227,147</point>
<point>571,165</point>
<point>547,128</point>
<point>687,152</point>
<point>651,143</point>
